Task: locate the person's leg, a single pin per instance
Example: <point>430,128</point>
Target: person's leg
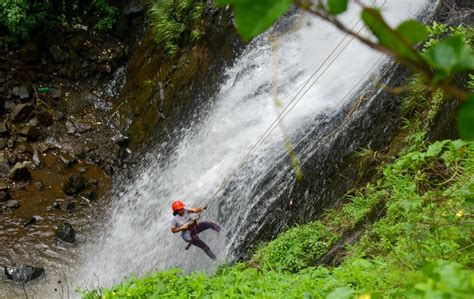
<point>204,225</point>
<point>200,243</point>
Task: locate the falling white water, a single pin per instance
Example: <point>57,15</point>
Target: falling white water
<point>137,238</point>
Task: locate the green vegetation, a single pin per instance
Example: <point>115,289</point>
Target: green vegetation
<point>19,18</point>
<point>176,23</point>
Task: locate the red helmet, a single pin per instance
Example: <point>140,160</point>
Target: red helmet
<point>177,205</point>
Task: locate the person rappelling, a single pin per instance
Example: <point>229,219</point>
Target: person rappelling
<point>183,222</point>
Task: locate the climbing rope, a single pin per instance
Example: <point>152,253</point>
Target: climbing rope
<point>295,100</point>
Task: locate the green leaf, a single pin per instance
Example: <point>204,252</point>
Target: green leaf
<point>466,119</point>
<point>450,55</point>
<point>413,31</point>
<point>386,36</point>
<point>337,6</point>
<point>254,17</point>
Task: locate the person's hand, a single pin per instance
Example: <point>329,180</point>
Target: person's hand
<point>186,225</point>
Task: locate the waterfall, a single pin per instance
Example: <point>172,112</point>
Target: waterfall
<point>136,235</point>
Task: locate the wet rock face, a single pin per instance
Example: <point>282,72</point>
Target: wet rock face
<point>23,273</point>
<point>161,91</point>
<point>66,233</point>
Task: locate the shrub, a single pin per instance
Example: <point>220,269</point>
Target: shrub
<point>174,22</point>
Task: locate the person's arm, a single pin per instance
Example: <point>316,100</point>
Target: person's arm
<point>177,229</point>
<point>197,210</point>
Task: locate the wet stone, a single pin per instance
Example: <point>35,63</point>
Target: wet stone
<point>66,233</point>
<point>3,185</point>
<point>121,140</point>
<point>32,220</point>
<point>109,170</point>
<point>69,207</point>
<point>21,92</point>
<point>82,127</point>
<point>39,185</point>
<point>12,204</point>
<point>23,146</point>
<point>92,183</point>
<point>19,172</point>
<point>67,160</point>
<point>31,132</point>
<point>4,166</point>
<point>22,111</point>
<point>74,185</point>
<point>37,159</point>
<point>71,129</point>
<point>4,196</point>
<point>89,194</point>
<point>56,205</point>
<point>23,273</point>
<point>90,147</point>
<point>33,122</point>
<point>9,105</point>
<point>3,127</point>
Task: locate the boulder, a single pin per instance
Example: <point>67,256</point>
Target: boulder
<point>19,172</point>
<point>23,273</point>
<point>74,185</point>
<point>66,233</point>
<point>22,111</point>
<point>31,132</point>
<point>21,92</point>
<point>13,204</point>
